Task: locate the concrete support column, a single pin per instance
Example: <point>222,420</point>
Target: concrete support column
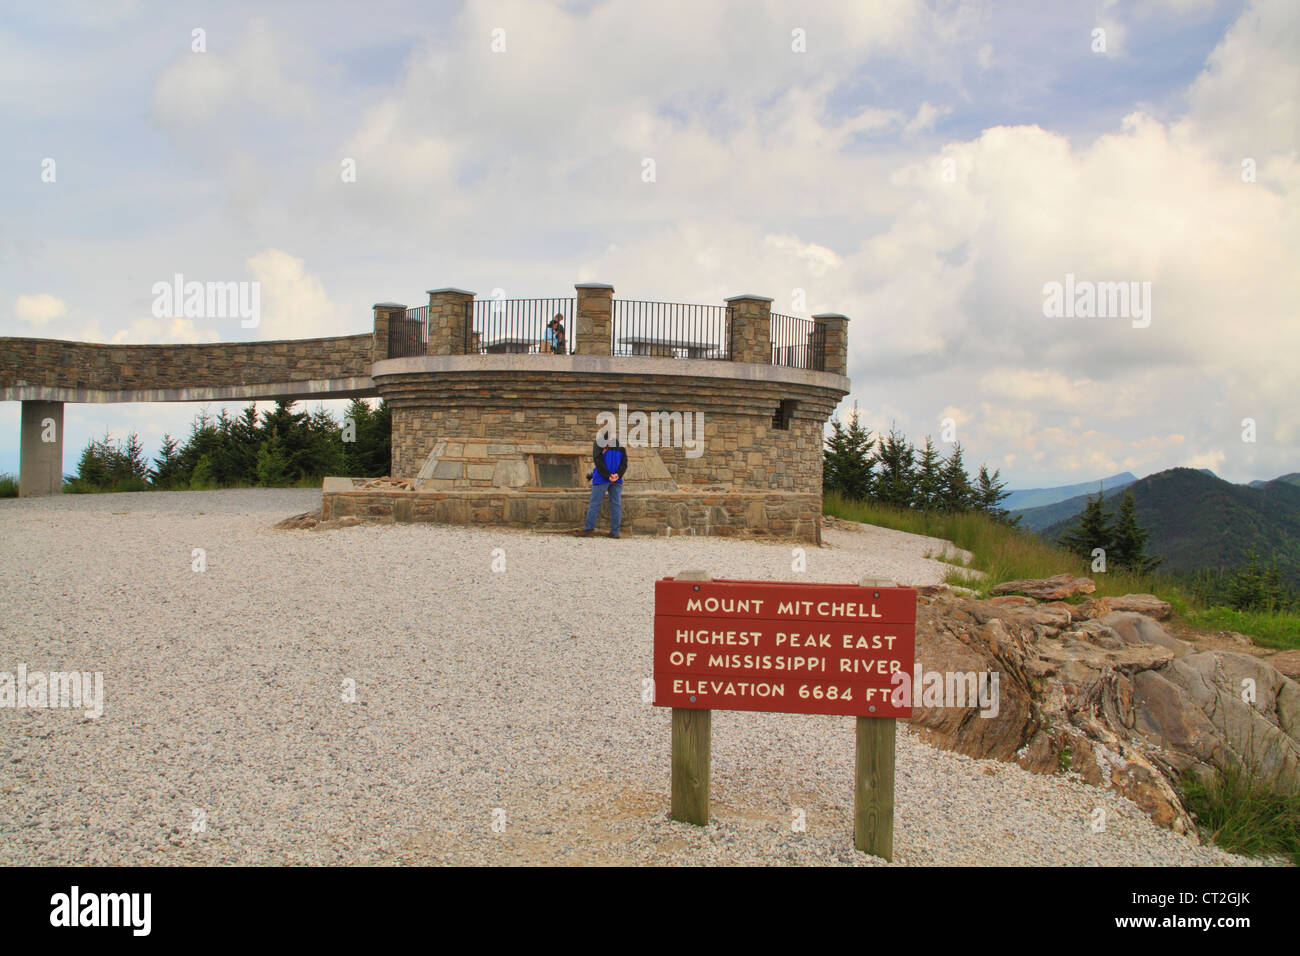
<point>595,315</point>
<point>449,312</point>
<point>751,329</point>
<point>386,313</point>
<point>40,455</point>
<point>837,341</point>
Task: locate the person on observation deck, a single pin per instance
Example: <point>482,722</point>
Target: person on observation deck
<point>610,462</point>
<point>555,334</point>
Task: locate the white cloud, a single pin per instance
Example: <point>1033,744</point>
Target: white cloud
<point>294,303</point>
<point>38,309</point>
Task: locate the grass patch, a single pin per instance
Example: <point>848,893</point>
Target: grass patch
<point>1000,553</point>
<point>1279,629</point>
<point>8,486</point>
<point>1244,816</point>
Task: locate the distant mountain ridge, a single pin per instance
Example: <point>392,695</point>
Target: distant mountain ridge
<point>1022,499</point>
<point>1201,521</point>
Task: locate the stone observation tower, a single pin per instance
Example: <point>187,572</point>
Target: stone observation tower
<point>722,406</point>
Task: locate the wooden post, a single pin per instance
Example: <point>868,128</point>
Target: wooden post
<point>692,751</point>
<point>873,790</point>
<point>692,758</point>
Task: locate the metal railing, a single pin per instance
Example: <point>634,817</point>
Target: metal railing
<point>409,334</point>
<point>798,343</point>
<point>497,326</point>
<point>670,329</point>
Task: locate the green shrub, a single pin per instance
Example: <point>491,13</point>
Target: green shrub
<point>8,486</point>
<point>1242,815</point>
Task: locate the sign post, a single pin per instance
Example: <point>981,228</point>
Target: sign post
<point>791,648</point>
<point>692,752</point>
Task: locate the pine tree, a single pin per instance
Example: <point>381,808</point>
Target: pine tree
<point>846,467</point>
<point>379,446</point>
<point>989,492</point>
<point>895,481</point>
<point>929,478</point>
<point>93,466</point>
<point>133,458</point>
<point>1255,588</point>
<point>956,496</point>
<point>166,467</point>
<point>1093,530</point>
<point>1128,549</point>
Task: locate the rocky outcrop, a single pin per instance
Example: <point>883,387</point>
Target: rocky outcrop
<point>1048,589</point>
<point>1147,604</point>
<point>1112,697</point>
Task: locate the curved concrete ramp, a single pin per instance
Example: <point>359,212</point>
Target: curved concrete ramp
<point>45,373</point>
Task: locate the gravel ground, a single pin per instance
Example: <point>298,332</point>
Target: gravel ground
<point>481,696</point>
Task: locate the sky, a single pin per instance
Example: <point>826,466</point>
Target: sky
<point>927,169</point>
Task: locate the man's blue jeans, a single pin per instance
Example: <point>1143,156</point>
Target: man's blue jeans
<point>615,505</point>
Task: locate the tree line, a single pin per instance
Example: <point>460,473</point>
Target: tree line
<point>890,470</point>
<point>1122,544</point>
<point>281,448</point>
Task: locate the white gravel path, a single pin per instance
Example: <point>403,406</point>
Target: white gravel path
<point>476,692</point>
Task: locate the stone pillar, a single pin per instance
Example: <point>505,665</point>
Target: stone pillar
<point>447,321</point>
<point>751,329</point>
<point>385,313</point>
<point>595,315</point>
<point>837,341</point>
<point>40,454</point>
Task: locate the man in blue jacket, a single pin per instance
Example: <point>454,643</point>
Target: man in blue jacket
<point>611,462</point>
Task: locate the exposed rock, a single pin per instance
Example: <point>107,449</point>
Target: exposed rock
<point>1115,699</point>
<point>1092,607</point>
<point>1137,628</point>
<point>1048,589</point>
<point>308,519</point>
<point>1147,604</point>
<point>1286,662</point>
<point>1012,600</point>
<point>311,521</point>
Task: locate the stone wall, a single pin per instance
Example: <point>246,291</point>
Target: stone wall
<point>733,514</point>
<point>458,462</point>
<point>742,448</point>
<point>88,365</point>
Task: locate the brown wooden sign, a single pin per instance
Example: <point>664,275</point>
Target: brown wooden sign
<point>782,647</point>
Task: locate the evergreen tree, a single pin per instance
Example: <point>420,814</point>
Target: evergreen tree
<point>1128,549</point>
<point>274,468</point>
<point>94,466</point>
<point>846,465</point>
<point>201,478</point>
<point>895,481</point>
<point>1255,588</point>
<point>929,478</point>
<point>166,467</point>
<point>989,492</point>
<point>379,444</point>
<point>956,495</point>
<point>131,459</point>
<point>1093,530</point>
<point>234,459</point>
<point>202,443</point>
